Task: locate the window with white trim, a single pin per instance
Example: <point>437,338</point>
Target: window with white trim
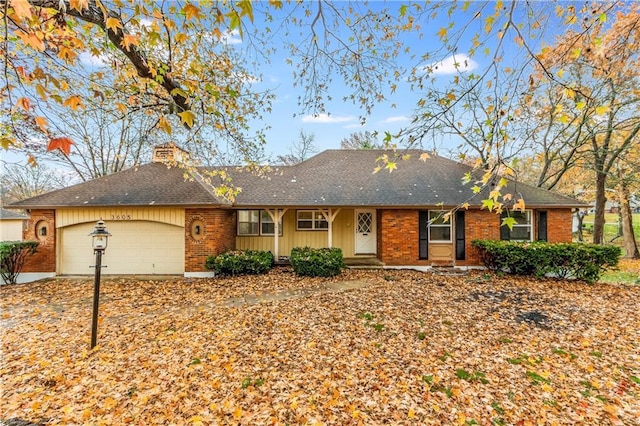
<point>439,229</point>
<point>267,226</point>
<point>522,230</point>
<point>256,222</point>
<point>248,222</point>
<point>311,220</point>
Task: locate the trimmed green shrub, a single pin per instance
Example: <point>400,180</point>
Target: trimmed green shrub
<point>321,262</point>
<point>585,262</point>
<point>512,257</point>
<point>241,262</point>
<point>13,254</point>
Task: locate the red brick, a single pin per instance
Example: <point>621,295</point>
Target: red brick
<point>219,236</point>
<point>398,236</point>
<point>44,260</point>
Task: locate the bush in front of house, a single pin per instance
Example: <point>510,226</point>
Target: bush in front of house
<point>13,254</point>
<point>241,262</point>
<point>585,262</point>
<point>320,262</point>
<point>511,257</point>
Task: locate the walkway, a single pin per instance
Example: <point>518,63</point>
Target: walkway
<point>288,294</point>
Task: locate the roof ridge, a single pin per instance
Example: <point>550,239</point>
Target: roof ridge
<point>333,177</point>
<point>207,186</point>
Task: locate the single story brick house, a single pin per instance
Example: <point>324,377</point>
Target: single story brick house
<point>165,219</point>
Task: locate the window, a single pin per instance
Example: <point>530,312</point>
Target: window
<point>197,229</point>
<point>248,222</point>
<point>256,222</point>
<point>42,230</point>
<point>267,227</point>
<point>521,230</point>
<point>439,230</point>
<point>311,220</point>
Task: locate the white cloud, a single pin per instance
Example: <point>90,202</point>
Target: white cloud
<point>88,59</point>
<point>326,118</point>
<point>145,22</point>
<point>227,37</point>
<point>231,37</point>
<point>395,119</point>
<point>452,65</point>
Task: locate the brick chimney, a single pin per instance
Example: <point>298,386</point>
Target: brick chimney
<point>169,153</point>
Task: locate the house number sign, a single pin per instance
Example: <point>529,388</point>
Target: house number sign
<point>121,217</point>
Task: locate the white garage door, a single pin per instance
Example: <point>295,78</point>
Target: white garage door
<point>135,247</point>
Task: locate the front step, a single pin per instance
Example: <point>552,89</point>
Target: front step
<point>448,270</point>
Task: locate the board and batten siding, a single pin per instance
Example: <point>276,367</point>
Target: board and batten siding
<point>343,235</point>
<point>73,216</point>
<point>11,230</point>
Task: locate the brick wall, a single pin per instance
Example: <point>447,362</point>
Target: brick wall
<point>219,235</point>
<point>480,225</point>
<point>44,260</point>
<point>398,237</point>
<point>398,234</point>
<point>485,225</point>
<point>559,225</point>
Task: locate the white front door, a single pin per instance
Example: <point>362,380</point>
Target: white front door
<point>365,228</point>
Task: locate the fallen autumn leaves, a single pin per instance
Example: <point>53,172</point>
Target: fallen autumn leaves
<point>401,348</point>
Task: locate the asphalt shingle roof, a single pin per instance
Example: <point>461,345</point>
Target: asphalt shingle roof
<point>333,178</point>
<point>346,178</point>
<point>146,185</point>
<point>8,214</point>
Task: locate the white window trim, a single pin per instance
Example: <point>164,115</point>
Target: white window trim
<point>447,224</point>
<point>259,233</point>
<point>317,215</point>
<point>238,222</point>
<point>269,221</point>
<point>529,225</point>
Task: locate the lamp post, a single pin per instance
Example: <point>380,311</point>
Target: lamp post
<point>100,238</point>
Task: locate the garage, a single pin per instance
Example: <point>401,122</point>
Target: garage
<point>135,247</point>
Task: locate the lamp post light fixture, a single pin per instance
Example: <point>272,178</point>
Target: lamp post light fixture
<point>100,238</point>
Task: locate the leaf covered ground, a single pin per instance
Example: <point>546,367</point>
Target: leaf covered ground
<point>394,347</point>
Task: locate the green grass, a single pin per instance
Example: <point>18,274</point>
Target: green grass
<point>620,277</point>
<point>610,227</point>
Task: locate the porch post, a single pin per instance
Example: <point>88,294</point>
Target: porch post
<point>330,216</point>
<point>330,231</point>
<point>276,234</point>
<point>276,216</point>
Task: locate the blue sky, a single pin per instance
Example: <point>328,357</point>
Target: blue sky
<point>286,120</point>
<point>343,118</point>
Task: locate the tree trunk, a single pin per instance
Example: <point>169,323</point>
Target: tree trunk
<point>95,13</point>
<point>580,217</point>
<point>601,199</point>
<point>629,239</point>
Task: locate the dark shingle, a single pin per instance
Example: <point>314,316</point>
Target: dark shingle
<point>150,184</point>
<point>347,178</point>
<point>11,215</point>
<point>333,178</point>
